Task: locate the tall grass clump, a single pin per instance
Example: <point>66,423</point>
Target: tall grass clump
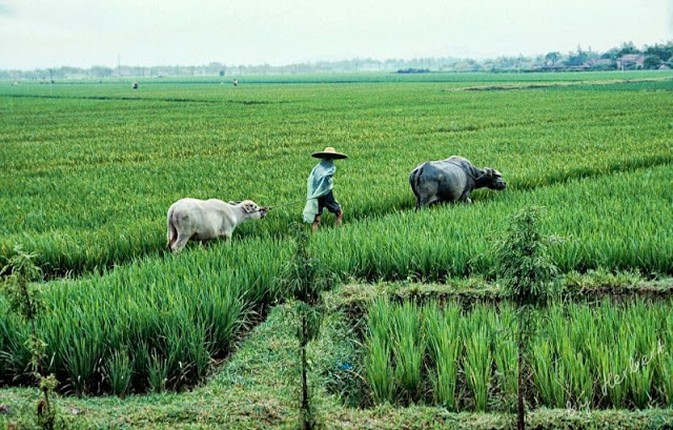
<point>408,347</point>
<point>478,362</point>
<point>548,373</point>
<point>443,330</point>
<point>378,362</point>
<point>118,371</point>
<point>157,373</point>
<point>14,352</point>
<point>505,355</point>
<point>665,363</point>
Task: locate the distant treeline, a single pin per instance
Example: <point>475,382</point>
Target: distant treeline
<point>626,57</point>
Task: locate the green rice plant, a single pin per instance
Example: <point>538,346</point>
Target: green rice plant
<point>665,369</point>
<point>222,311</point>
<point>379,370</point>
<point>81,358</point>
<point>641,375</point>
<point>80,347</point>
<point>579,378</point>
<point>14,353</point>
<point>642,369</point>
<point>118,370</point>
<point>196,356</point>
<point>140,358</point>
<point>582,356</point>
<point>505,354</point>
<point>613,363</point>
<point>157,373</point>
<point>572,330</point>
<point>442,328</point>
<point>408,347</point>
<point>665,363</point>
<point>548,373</point>
<point>478,360</point>
<point>102,163</point>
<point>378,359</point>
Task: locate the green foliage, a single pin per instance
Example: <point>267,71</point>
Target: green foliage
<point>652,62</point>
<point>524,265</point>
<point>118,142</point>
<point>27,303</point>
<point>526,270</point>
<point>505,354</point>
<point>305,280</point>
<point>581,356</point>
<point>20,271</point>
<point>157,373</point>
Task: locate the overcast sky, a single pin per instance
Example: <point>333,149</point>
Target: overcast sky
<point>83,33</point>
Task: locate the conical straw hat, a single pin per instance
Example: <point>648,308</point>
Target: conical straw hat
<point>329,152</point>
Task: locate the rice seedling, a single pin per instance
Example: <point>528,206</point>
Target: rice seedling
<point>478,361</point>
<point>442,328</point>
<point>665,363</point>
<point>573,365</point>
<point>81,358</point>
<point>118,371</point>
<point>408,348</point>
<point>158,373</point>
<point>548,373</point>
<point>378,360</point>
<point>506,357</point>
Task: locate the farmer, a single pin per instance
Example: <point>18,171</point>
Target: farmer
<point>319,188</point>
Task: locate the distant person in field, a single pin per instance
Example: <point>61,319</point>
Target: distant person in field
<point>319,186</point>
<point>235,82</point>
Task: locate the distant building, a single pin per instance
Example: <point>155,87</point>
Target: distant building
<point>630,62</point>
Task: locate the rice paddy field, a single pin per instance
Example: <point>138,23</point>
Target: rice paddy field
<point>89,169</point>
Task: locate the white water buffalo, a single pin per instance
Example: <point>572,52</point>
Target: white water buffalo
<point>451,180</point>
<point>206,219</point>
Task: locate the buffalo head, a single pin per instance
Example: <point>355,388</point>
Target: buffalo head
<point>493,179</point>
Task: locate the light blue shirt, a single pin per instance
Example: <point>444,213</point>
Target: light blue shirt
<point>318,184</point>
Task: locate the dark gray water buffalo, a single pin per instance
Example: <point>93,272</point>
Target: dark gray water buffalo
<point>451,180</point>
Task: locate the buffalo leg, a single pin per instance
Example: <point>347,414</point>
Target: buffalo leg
<point>180,243</point>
